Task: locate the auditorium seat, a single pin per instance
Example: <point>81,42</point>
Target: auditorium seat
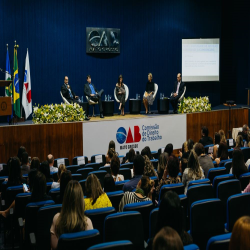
<point>160,151</point>
<point>127,165</point>
<point>178,188</point>
<point>98,158</point>
<point>121,158</point>
<point>220,178</point>
<point>222,163</point>
<point>155,179</point>
<point>2,179</point>
<point>126,172</point>
<point>10,195</point>
<point>191,247</point>
<point>44,219</point>
<point>100,175</point>
<point>207,147</point>
<point>119,185</point>
<point>199,192</point>
<point>95,166</point>
<point>225,189</point>
<point>228,166</point>
<point>198,182</point>
<point>115,198</point>
<point>64,161</point>
<point>97,216</point>
<point>73,168</point>
<point>54,192</point>
<point>230,153</point>
<point>78,160</point>
<point>82,183</point>
<point>145,208</point>
<point>219,242</point>
<point>21,201</point>
<point>80,240</point>
<point>154,154</point>
<point>155,163</point>
<point>206,220</point>
<point>244,180</point>
<point>238,205</point>
<point>48,184</point>
<point>153,217</point>
<point>114,245</point>
<point>106,168</point>
<point>212,172</point>
<point>246,153</point>
<point>125,226</point>
<point>84,172</point>
<point>76,177</point>
<point>54,176</point>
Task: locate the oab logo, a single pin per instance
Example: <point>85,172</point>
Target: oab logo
<point>122,135</point>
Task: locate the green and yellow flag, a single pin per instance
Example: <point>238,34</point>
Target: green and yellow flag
<point>16,91</point>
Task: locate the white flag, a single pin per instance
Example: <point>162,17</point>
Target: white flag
<point>27,101</point>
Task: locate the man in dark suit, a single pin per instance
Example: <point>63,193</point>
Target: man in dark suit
<point>205,139</point>
<point>92,93</point>
<point>69,94</point>
<point>177,92</point>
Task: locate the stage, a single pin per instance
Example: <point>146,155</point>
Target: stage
<point>92,137</point>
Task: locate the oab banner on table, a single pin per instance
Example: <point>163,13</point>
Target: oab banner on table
<point>154,132</point>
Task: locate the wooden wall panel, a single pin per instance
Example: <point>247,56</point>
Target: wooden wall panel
<point>215,120</point>
<point>61,140</point>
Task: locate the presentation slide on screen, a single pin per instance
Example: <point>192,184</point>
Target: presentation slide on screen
<point>200,60</point>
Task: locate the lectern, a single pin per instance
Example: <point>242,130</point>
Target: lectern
<point>5,102</point>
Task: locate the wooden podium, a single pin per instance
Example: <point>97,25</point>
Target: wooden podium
<point>5,102</point>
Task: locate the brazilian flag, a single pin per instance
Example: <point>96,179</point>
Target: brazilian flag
<point>16,90</point>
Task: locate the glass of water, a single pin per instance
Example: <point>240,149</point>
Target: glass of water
<point>136,96</point>
<point>139,96</point>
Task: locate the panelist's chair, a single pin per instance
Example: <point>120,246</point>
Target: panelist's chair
<point>183,94</point>
<point>126,95</point>
<point>155,93</point>
<point>64,99</point>
<point>92,103</point>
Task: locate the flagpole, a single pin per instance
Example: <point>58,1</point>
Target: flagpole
<point>15,47</point>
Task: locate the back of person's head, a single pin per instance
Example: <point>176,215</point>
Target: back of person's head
<point>217,138</point>
<point>238,164</point>
<point>223,151</point>
<point>199,149</point>
<point>184,163</point>
<point>71,218</point>
<point>111,153</point>
<point>25,158</point>
<point>162,163</point>
<point>31,178</point>
<point>35,163</point>
<point>240,235</point>
<point>245,128</point>
<point>194,166</point>
<point>190,144</point>
<point>239,141</point>
<point>45,169</point>
<point>93,188</point>
<point>111,144</point>
<point>131,155</point>
<point>115,165</point>
<point>50,159</point>
<point>20,152</point>
<point>139,165</point>
<point>170,213</point>
<point>15,170</point>
<point>149,168</point>
<point>184,148</point>
<point>204,131</point>
<point>146,184</point>
<point>146,151</point>
<point>61,169</point>
<point>108,183</point>
<point>222,136</point>
<point>66,177</point>
<point>39,187</point>
<point>173,166</point>
<point>167,238</point>
<point>169,149</point>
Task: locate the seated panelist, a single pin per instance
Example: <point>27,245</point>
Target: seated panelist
<point>120,93</point>
<point>148,97</point>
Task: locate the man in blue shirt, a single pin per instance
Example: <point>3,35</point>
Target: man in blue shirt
<point>93,94</point>
<point>138,169</point>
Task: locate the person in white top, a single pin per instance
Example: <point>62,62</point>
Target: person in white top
<point>50,160</point>
<point>61,169</point>
<point>115,167</point>
<point>72,218</point>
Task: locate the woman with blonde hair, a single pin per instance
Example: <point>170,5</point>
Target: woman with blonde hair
<point>240,235</point>
<point>61,170</point>
<point>149,168</point>
<point>72,218</point>
<point>149,92</point>
<point>239,142</point>
<point>222,136</point>
<point>162,163</point>
<point>96,197</point>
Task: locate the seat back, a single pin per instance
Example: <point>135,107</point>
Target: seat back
<point>97,217</point>
<point>228,166</point>
<point>119,185</point>
<point>21,202</point>
<point>223,162</point>
<point>114,245</point>
<point>100,175</point>
<point>44,219</point>
<point>91,102</point>
<point>54,192</point>
<point>198,182</point>
<point>206,220</point>
<point>124,226</point>
<point>237,206</point>
<point>209,148</point>
<point>98,158</point>
<point>80,240</point>
<point>64,99</point>
<point>155,90</point>
<point>160,151</point>
<point>126,94</point>
<point>11,193</point>
<point>73,168</point>
<point>231,143</point>
<point>76,177</point>
<point>178,188</point>
<point>126,172</point>
<point>155,163</point>
<point>246,153</point>
<point>115,198</point>
<point>80,160</point>
<point>191,247</point>
<point>84,172</point>
<point>220,178</point>
<point>93,165</point>
<point>82,183</point>
<point>145,208</point>
<point>183,94</point>
<point>59,161</point>
<point>219,242</point>
<point>155,154</point>
<point>153,217</point>
<point>244,180</point>
<point>106,168</point>
<point>127,165</point>
<point>212,172</point>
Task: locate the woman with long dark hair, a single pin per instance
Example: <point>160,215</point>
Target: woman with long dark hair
<point>238,164</point>
<point>120,93</point>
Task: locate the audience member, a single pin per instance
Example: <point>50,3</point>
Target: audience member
<point>143,192</point>
<point>193,170</point>
<point>183,165</point>
<point>239,142</point>
<point>20,152</point>
<point>138,170</point>
<point>223,138</point>
<point>65,178</point>
<point>244,131</point>
<point>45,169</point>
<point>217,140</point>
<point>190,145</point>
<point>149,168</point>
<point>238,164</point>
<point>115,167</point>
<point>146,151</point>
<point>205,161</point>
<point>61,169</point>
<point>35,163</point>
<point>50,160</point>
<point>25,167</point>
<point>111,146</point>
<point>108,183</point>
<point>222,153</point>
<point>162,163</point>
<point>131,156</point>
<point>72,218</point>
<point>169,149</point>
<point>240,235</point>
<point>31,178</point>
<point>184,149</point>
<point>96,197</point>
<point>109,156</point>
<point>205,139</point>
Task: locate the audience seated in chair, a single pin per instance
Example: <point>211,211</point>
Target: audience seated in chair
<point>169,149</point>
<point>115,167</point>
<point>162,163</point>
<point>239,142</point>
<point>223,138</point>
<point>111,146</point>
<point>131,156</point>
<point>222,153</point>
<point>20,152</point>
<point>96,197</point>
<point>35,163</point>
<point>109,156</point>
<point>244,133</point>
<point>144,190</point>
<point>61,169</point>
<point>65,178</point>
<point>149,168</point>
<point>238,164</point>
<point>109,183</point>
<point>25,166</point>
<point>72,218</point>
<point>193,170</point>
<point>147,151</point>
<point>205,139</point>
<point>44,168</point>
<point>50,160</point>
